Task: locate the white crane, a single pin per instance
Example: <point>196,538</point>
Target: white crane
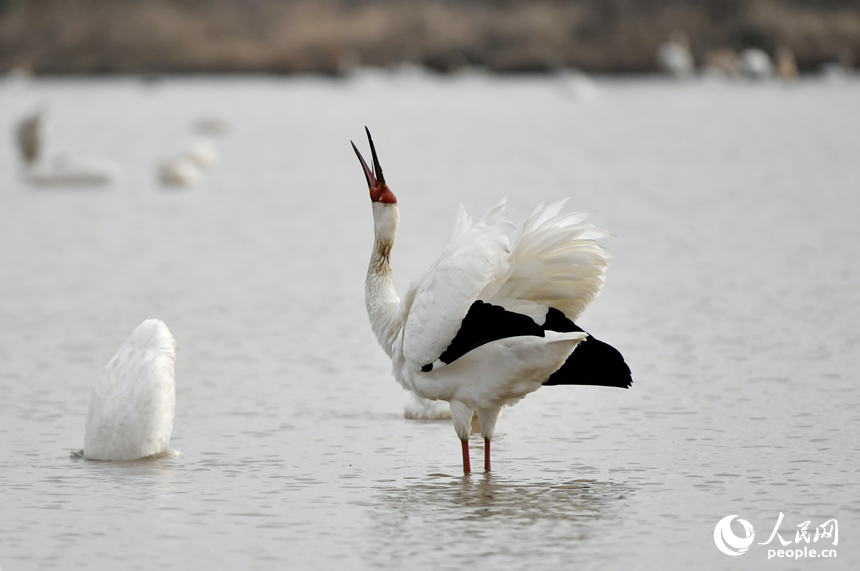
<point>490,322</point>
<point>131,409</point>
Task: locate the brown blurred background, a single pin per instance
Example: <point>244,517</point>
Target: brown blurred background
<point>332,36</point>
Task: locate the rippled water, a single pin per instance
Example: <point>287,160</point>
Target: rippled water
<point>733,295</point>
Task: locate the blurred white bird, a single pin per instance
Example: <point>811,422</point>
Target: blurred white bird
<point>203,153</point>
<point>840,70</point>
<point>490,323</point>
<point>74,170</point>
<point>63,169</point>
<point>132,405</point>
<point>186,167</point>
<point>179,171</point>
<point>754,63</point>
<point>577,85</point>
<point>675,57</point>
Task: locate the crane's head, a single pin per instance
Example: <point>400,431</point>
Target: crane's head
<point>379,191</point>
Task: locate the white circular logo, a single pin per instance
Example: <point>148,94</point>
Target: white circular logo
<point>727,541</point>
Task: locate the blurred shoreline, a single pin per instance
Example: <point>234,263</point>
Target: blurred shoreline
<point>333,37</point>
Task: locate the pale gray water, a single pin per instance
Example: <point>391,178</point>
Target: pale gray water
<point>733,295</point>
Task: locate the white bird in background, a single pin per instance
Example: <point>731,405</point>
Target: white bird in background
<point>131,409</point>
<point>675,57</point>
<point>74,170</point>
<point>186,168</point>
<point>179,171</point>
<point>203,153</point>
<point>490,322</point>
<point>754,63</point>
<point>577,85</point>
<point>62,169</point>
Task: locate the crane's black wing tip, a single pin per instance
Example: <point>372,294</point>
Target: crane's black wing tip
<point>593,362</point>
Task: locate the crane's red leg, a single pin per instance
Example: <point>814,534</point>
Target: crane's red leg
<point>486,455</point>
<point>466,465</point>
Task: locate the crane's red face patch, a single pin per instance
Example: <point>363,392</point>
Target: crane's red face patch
<point>382,194</point>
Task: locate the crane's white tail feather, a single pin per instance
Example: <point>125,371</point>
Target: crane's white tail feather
<point>494,217</point>
<point>433,309</point>
<point>555,262</point>
<point>131,410</point>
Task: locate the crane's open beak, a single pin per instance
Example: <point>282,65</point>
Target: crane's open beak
<point>379,191</point>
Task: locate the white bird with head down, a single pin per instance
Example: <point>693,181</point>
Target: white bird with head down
<point>490,322</point>
<point>132,405</point>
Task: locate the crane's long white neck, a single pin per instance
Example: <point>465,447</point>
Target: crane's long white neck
<point>383,305</point>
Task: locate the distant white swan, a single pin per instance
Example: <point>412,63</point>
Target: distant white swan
<point>179,171</point>
<point>131,408</point>
<point>74,170</point>
<point>577,85</point>
<point>838,71</point>
<point>62,169</point>
<point>203,153</point>
<point>754,63</point>
<point>675,57</point>
<point>186,168</point>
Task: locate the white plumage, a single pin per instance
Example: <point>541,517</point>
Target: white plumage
<point>132,405</point>
<point>418,408</point>
<point>433,308</point>
<point>547,264</point>
<point>556,262</point>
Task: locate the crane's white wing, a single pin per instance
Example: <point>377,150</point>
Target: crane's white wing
<point>556,262</point>
<point>434,308</point>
